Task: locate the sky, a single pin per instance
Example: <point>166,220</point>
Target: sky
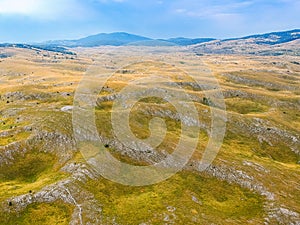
<point>28,21</point>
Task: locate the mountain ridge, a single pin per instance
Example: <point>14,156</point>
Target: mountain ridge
<point>265,44</point>
<point>123,38</point>
<point>273,37</point>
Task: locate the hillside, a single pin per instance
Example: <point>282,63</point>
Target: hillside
<point>45,179</point>
<point>273,38</point>
<point>276,43</point>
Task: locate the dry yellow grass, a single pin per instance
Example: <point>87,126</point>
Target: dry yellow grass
<point>262,95</point>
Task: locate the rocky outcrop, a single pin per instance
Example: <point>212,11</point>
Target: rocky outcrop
<point>68,191</point>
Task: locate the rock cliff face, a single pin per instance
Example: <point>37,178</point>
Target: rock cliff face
<point>253,180</point>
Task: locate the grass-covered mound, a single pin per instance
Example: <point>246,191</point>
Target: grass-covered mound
<point>186,198</point>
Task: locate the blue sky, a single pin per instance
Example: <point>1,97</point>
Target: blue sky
<point>40,20</point>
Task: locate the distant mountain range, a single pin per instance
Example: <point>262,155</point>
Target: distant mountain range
<point>206,45</point>
<point>113,39</point>
<point>121,38</point>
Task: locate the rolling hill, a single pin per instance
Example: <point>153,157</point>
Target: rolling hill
<point>273,38</point>
<point>270,44</point>
<point>45,178</point>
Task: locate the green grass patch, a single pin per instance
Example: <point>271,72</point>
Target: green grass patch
<point>13,138</point>
<point>195,198</point>
<point>246,147</point>
<point>27,168</point>
<point>153,100</point>
<point>244,106</point>
<point>40,214</point>
<point>17,188</point>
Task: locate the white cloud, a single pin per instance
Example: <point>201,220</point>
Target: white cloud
<point>208,9</point>
<point>41,9</point>
<point>18,7</point>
